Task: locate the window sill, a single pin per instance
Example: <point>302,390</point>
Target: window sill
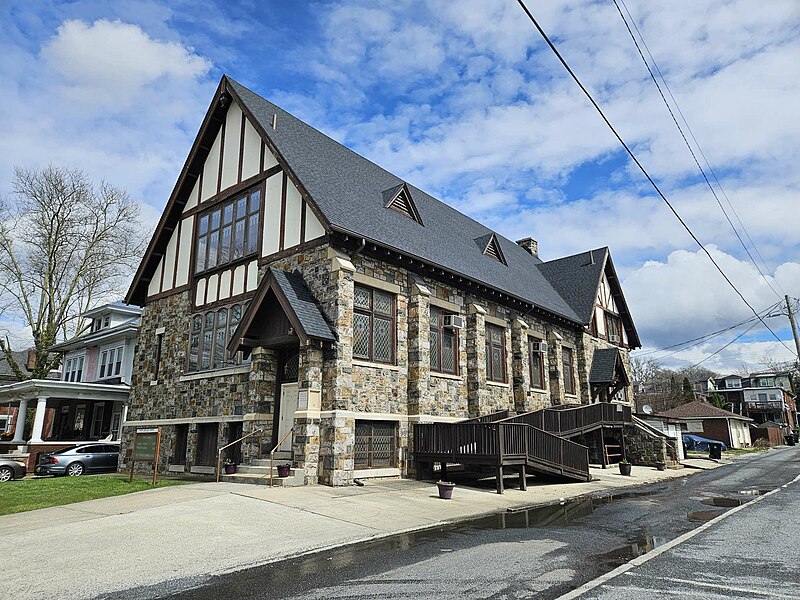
<point>374,365</point>
<point>539,390</point>
<point>498,384</point>
<point>215,373</point>
<point>446,376</point>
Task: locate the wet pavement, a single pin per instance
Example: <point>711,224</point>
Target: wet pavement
<point>540,552</point>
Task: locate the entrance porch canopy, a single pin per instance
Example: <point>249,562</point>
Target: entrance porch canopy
<point>23,393</point>
<point>608,375</point>
<point>283,310</point>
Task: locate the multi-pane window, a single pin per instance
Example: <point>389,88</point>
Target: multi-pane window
<point>229,231</point>
<point>536,364</point>
<point>73,369</point>
<point>495,353</point>
<point>110,362</point>
<point>613,328</point>
<point>373,325</point>
<point>443,344</point>
<point>209,336</point>
<point>569,370</point>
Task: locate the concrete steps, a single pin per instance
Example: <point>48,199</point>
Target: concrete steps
<point>258,473</point>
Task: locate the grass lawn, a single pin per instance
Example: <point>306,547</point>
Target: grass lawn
<point>30,494</point>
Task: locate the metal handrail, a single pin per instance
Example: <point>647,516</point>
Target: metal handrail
<point>272,453</point>
<point>244,437</point>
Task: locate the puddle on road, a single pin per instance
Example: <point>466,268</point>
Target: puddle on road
<point>722,502</point>
<point>702,516</point>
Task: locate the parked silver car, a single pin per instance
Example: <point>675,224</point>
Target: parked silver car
<point>80,460</point>
<point>11,469</point>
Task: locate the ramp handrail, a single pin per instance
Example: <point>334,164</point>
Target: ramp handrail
<point>244,437</point>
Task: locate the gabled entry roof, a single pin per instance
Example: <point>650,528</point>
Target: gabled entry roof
<point>297,302</point>
<point>607,367</point>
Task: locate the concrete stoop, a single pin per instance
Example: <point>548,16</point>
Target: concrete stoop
<point>258,473</point>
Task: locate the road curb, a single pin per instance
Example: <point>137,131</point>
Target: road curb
<point>648,556</point>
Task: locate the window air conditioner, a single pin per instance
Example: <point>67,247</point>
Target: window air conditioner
<point>539,347</point>
<point>613,338</point>
<point>453,322</point>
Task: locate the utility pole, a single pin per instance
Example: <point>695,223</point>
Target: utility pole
<point>794,335</point>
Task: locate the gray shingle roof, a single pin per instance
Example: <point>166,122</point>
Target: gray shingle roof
<point>348,190</point>
<point>604,362</point>
<point>576,278</point>
<point>303,303</point>
<point>700,409</point>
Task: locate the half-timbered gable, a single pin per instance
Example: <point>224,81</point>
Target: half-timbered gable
<point>299,294</point>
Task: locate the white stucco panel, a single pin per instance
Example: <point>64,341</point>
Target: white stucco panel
<point>212,288</point>
<point>169,261</point>
<point>239,275</point>
<point>155,283</point>
<point>272,215</point>
<point>211,170</point>
<point>200,293</point>
<point>294,207</point>
<point>251,156</point>
<point>252,275</point>
<point>230,151</point>
<point>225,284</point>
<point>192,201</point>
<point>314,228</point>
<point>184,252</point>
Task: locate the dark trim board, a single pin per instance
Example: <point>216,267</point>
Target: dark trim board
<point>231,191</point>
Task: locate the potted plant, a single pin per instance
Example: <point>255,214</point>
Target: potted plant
<point>283,470</point>
<point>661,466</point>
<point>229,466</point>
<point>445,489</point>
<point>624,467</point>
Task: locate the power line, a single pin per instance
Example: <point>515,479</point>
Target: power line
<point>723,347</point>
<point>641,167</point>
<point>705,337</point>
<point>686,141</point>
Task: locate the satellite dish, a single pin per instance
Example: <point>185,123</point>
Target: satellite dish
<point>647,409</point>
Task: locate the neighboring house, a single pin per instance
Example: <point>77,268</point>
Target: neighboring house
<point>761,396</point>
<point>294,287</point>
<point>89,400</point>
<point>7,375</point>
<point>701,418</point>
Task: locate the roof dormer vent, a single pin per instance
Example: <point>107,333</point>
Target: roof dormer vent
<point>490,246</point>
<point>398,198</point>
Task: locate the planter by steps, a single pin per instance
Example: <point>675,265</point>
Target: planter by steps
<point>445,489</point>
<point>283,470</point>
<point>661,466</point>
<point>230,469</point>
<point>624,468</point>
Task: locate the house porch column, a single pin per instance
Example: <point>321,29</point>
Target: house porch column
<point>476,358</point>
<point>520,365</point>
<point>38,420</point>
<point>19,425</point>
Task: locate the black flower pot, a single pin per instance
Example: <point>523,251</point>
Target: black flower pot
<point>445,489</point>
<point>283,470</point>
<point>624,468</point>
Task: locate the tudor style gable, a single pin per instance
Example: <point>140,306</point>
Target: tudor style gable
<point>234,206</point>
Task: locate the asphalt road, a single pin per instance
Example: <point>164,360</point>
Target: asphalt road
<point>541,553</point>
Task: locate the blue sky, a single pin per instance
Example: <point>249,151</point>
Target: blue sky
<point>465,101</point>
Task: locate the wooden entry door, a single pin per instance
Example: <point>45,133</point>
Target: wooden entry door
<point>206,454</point>
<point>286,415</point>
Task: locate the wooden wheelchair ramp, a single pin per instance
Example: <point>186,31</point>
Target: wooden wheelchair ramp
<point>501,446</point>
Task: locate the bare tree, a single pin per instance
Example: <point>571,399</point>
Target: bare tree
<point>644,370</point>
<point>65,244</point>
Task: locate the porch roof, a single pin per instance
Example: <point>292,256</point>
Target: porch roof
<point>70,390</point>
<point>297,302</point>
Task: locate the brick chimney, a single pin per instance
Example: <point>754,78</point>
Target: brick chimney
<point>31,362</point>
<point>530,244</point>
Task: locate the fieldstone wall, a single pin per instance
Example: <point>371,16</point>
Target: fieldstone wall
<point>642,448</point>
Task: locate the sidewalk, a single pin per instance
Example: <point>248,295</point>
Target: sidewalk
<point>187,533</point>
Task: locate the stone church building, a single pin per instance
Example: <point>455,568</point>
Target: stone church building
<point>296,288</point>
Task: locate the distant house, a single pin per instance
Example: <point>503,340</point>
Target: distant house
<point>704,419</point>
<point>761,396</point>
<point>670,427</point>
<point>7,375</point>
<point>89,400</point>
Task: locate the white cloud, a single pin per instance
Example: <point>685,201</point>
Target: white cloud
<point>685,297</point>
<point>108,63</point>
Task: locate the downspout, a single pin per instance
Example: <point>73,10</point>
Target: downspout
<point>361,247</point>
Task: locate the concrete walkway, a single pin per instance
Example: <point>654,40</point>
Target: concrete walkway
<point>190,532</point>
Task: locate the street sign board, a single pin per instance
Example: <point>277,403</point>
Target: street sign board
<point>146,447</point>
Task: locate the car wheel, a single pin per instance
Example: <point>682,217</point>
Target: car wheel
<point>6,474</point>
<point>75,469</point>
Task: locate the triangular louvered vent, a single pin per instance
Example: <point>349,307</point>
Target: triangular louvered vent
<point>491,247</point>
<point>399,198</point>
